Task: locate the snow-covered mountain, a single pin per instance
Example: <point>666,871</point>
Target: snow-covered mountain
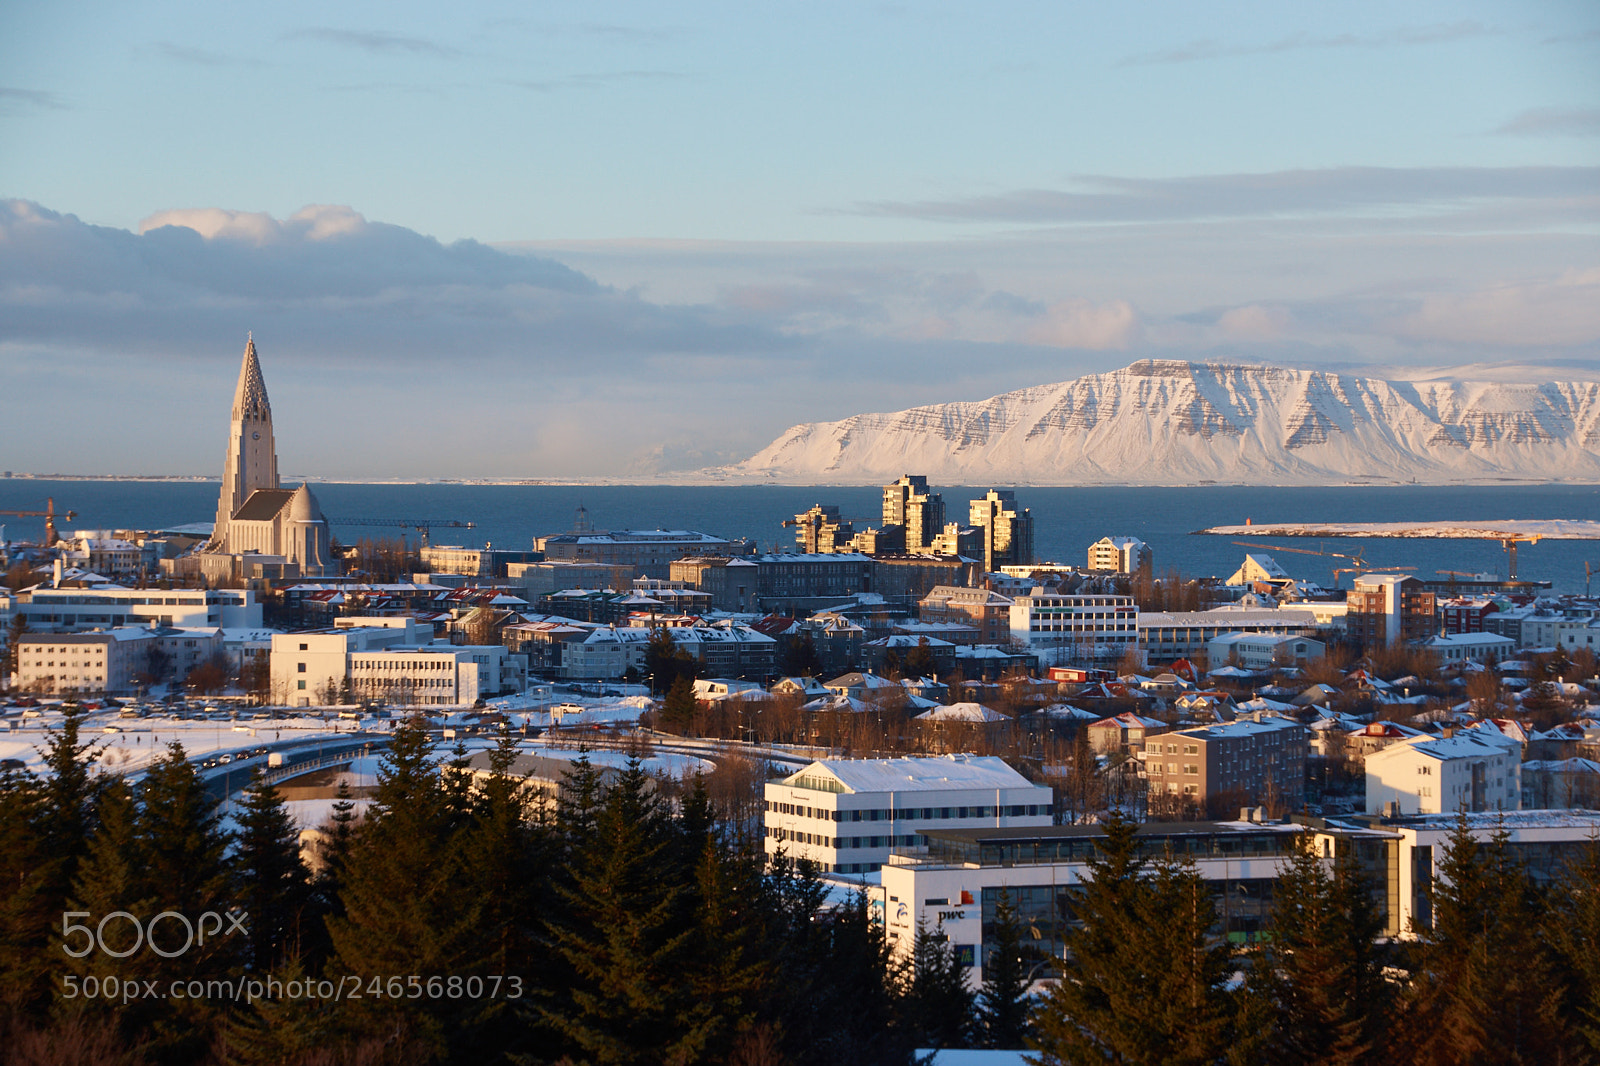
<point>1176,423</point>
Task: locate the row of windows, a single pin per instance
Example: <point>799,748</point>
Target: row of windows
<point>906,840</point>
<point>879,814</point>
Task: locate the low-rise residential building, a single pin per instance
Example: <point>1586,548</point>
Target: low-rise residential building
<point>805,583</point>
<point>1075,629</point>
<point>1464,614</point>
<point>1259,569</point>
<point>1472,770</point>
<point>1251,759</point>
<point>1572,783</point>
<point>846,814</point>
<point>1263,651</point>
<point>1124,733</point>
<point>539,639</point>
<point>60,664</point>
<point>907,578</point>
<point>486,561</point>
<point>1120,555</point>
<point>988,612</point>
<point>1468,647</point>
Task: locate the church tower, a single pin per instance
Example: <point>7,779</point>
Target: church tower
<point>252,461</point>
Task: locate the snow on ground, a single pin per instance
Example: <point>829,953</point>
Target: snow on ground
<point>136,742</point>
<point>973,1058</point>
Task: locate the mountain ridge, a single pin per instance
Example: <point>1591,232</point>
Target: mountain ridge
<point>1174,422</point>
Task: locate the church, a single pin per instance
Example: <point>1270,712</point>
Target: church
<point>262,529</point>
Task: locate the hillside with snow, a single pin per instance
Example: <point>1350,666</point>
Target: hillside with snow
<point>1181,423</point>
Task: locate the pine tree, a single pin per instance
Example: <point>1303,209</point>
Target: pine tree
<point>1142,978</point>
<point>1003,1003</point>
<point>1319,972</point>
<point>622,938</point>
<point>1574,932</point>
<point>26,916</point>
<point>729,973</point>
<point>677,710</point>
<point>935,1004</point>
<point>408,908</point>
<point>1485,989</point>
<point>273,884</point>
<point>70,794</point>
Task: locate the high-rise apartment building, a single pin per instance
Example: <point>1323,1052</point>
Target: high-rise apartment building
<point>1007,529</point>
<point>1390,609</point>
<point>908,504</point>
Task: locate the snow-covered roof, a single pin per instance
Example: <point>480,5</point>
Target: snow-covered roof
<point>962,712</point>
<point>939,773</point>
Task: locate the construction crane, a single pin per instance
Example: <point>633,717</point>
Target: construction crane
<point>1358,559</point>
<point>49,516</point>
<point>1588,572</point>
<point>1510,543</point>
<point>421,525</point>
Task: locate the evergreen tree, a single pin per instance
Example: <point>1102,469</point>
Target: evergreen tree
<point>506,858</point>
<point>1485,988</point>
<point>28,907</point>
<point>273,884</point>
<point>730,973</point>
<point>1142,981</point>
<point>677,710</point>
<point>935,1004</point>
<point>1574,932</point>
<point>408,908</point>
<point>181,843</point>
<point>70,794</point>
<point>1003,1002</point>
<point>1319,972</point>
<point>622,938</point>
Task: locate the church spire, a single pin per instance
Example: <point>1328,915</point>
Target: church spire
<point>250,396</point>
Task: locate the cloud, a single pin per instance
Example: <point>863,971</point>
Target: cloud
<point>1562,311</point>
<point>13,99</point>
<point>1080,323</point>
<point>1101,198</point>
<point>1405,35</point>
<point>1554,122</point>
<point>378,42</point>
<point>1256,321</point>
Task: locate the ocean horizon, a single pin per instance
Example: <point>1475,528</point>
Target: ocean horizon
<point>1066,519</point>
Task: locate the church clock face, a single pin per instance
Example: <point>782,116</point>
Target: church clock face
<point>255,436</point>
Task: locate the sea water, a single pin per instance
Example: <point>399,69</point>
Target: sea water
<point>1066,520</point>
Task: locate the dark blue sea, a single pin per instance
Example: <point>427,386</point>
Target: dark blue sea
<point>1066,520</point>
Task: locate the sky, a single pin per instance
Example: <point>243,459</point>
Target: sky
<point>610,240</point>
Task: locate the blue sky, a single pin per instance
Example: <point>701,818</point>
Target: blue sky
<point>776,213</point>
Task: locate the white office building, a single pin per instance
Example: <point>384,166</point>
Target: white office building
<point>1073,629</point>
<point>105,606</point>
<point>846,814</point>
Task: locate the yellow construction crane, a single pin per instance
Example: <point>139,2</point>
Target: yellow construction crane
<point>1509,543</point>
<point>1360,564</point>
<point>49,516</point>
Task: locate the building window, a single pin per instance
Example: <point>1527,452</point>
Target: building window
<point>300,685</point>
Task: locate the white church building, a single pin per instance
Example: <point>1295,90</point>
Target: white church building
<point>262,529</point>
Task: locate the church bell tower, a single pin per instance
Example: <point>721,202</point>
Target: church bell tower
<point>252,461</point>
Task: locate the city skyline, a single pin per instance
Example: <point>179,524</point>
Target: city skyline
<point>593,227</point>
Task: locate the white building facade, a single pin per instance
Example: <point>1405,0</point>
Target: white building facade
<point>1065,628</point>
<point>1474,770</point>
<point>846,814</point>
